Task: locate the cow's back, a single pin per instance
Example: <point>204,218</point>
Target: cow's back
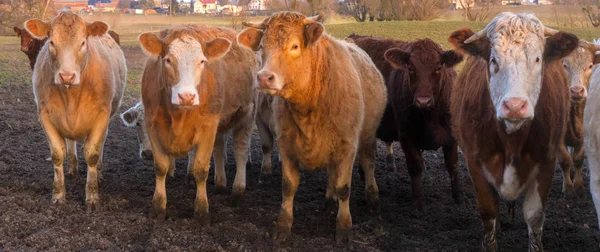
<point>376,48</point>
<point>373,89</point>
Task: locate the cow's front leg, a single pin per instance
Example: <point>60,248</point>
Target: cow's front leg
<point>204,149</point>
<point>414,163</point>
<point>220,158</point>
<point>93,157</point>
<point>162,163</point>
<point>57,151</point>
<point>566,163</point>
<point>342,190</point>
<point>578,156</point>
<point>290,180</point>
<point>487,204</point>
<point>241,141</point>
<point>534,205</point>
<point>451,160</point>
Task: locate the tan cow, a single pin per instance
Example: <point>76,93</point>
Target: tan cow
<point>196,87</point>
<point>579,65</point>
<point>78,81</point>
<point>330,99</point>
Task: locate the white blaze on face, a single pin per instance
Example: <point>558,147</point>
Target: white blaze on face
<point>515,67</point>
<point>190,64</point>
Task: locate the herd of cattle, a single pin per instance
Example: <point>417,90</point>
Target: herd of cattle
<point>514,109</point>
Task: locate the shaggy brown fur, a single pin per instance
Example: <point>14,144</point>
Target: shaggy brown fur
<point>326,113</point>
<point>82,111</point>
<point>226,96</point>
<point>532,149</point>
<point>427,72</point>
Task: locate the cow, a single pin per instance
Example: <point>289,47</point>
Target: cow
<point>196,87</point>
<point>509,108</point>
<point>265,122</point>
<point>78,82</point>
<point>419,76</point>
<point>31,46</point>
<point>591,131</point>
<point>579,65</point>
<point>134,118</point>
<point>329,101</point>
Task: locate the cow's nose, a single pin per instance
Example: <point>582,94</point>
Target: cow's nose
<point>577,92</point>
<point>147,155</point>
<point>186,99</point>
<point>514,108</point>
<point>266,79</point>
<point>66,77</point>
<point>424,101</point>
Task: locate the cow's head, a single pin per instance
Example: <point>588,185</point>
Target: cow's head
<point>516,48</point>
<point>182,57</point>
<point>27,41</point>
<point>67,37</point>
<point>134,118</point>
<point>424,62</point>
<point>579,65</point>
<point>285,39</point>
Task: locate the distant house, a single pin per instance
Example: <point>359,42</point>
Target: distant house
<point>73,5</point>
<point>544,2</point>
<point>257,5</point>
<point>205,6</point>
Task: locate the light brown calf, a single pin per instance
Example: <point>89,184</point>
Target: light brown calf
<point>78,82</point>
<point>196,87</point>
<point>330,99</point>
<point>579,65</point>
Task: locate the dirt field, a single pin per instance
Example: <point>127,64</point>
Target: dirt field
<point>29,222</point>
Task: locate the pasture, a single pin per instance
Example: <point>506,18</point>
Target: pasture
<point>29,222</point>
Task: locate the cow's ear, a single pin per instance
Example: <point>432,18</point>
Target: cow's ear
<point>560,45</point>
<point>97,28</point>
<point>477,48</point>
<point>115,36</point>
<point>151,44</point>
<point>250,38</point>
<point>37,28</point>
<point>217,48</point>
<point>397,57</point>
<point>450,58</point>
<point>313,32</point>
<point>17,31</point>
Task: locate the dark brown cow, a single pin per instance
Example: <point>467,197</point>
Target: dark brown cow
<point>31,46</point>
<point>579,65</point>
<point>196,88</point>
<point>78,82</point>
<point>330,99</point>
<point>509,109</point>
<point>419,78</point>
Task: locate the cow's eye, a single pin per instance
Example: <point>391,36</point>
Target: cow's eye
<point>493,61</point>
<point>83,43</point>
<point>52,43</point>
<point>537,59</point>
<point>591,66</point>
<point>565,66</point>
<point>167,60</point>
<point>295,47</point>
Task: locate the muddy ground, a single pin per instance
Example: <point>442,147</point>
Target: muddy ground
<point>29,222</point>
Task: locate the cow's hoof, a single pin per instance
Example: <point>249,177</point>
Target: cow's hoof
<point>202,218</point>
<point>159,214</point>
<point>579,191</point>
<point>330,207</point>
<point>92,206</point>
<point>281,234</point>
<point>265,178</point>
<point>373,205</point>
<point>237,198</point>
<point>219,189</point>
<point>58,200</point>
<point>342,235</point>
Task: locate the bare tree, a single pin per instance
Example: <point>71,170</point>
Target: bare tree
<point>15,12</point>
<point>358,9</point>
<point>423,9</point>
<point>592,12</point>
<point>472,13</point>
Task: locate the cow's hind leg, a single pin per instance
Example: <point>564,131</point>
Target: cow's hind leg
<point>72,158</point>
<point>414,163</point>
<point>450,160</point>
<point>578,156</point>
<point>220,155</point>
<point>566,163</point>
<point>267,142</point>
<point>58,150</point>
<point>241,141</point>
<point>290,180</point>
<point>390,161</point>
<point>93,157</point>
<point>367,154</point>
<point>343,190</point>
